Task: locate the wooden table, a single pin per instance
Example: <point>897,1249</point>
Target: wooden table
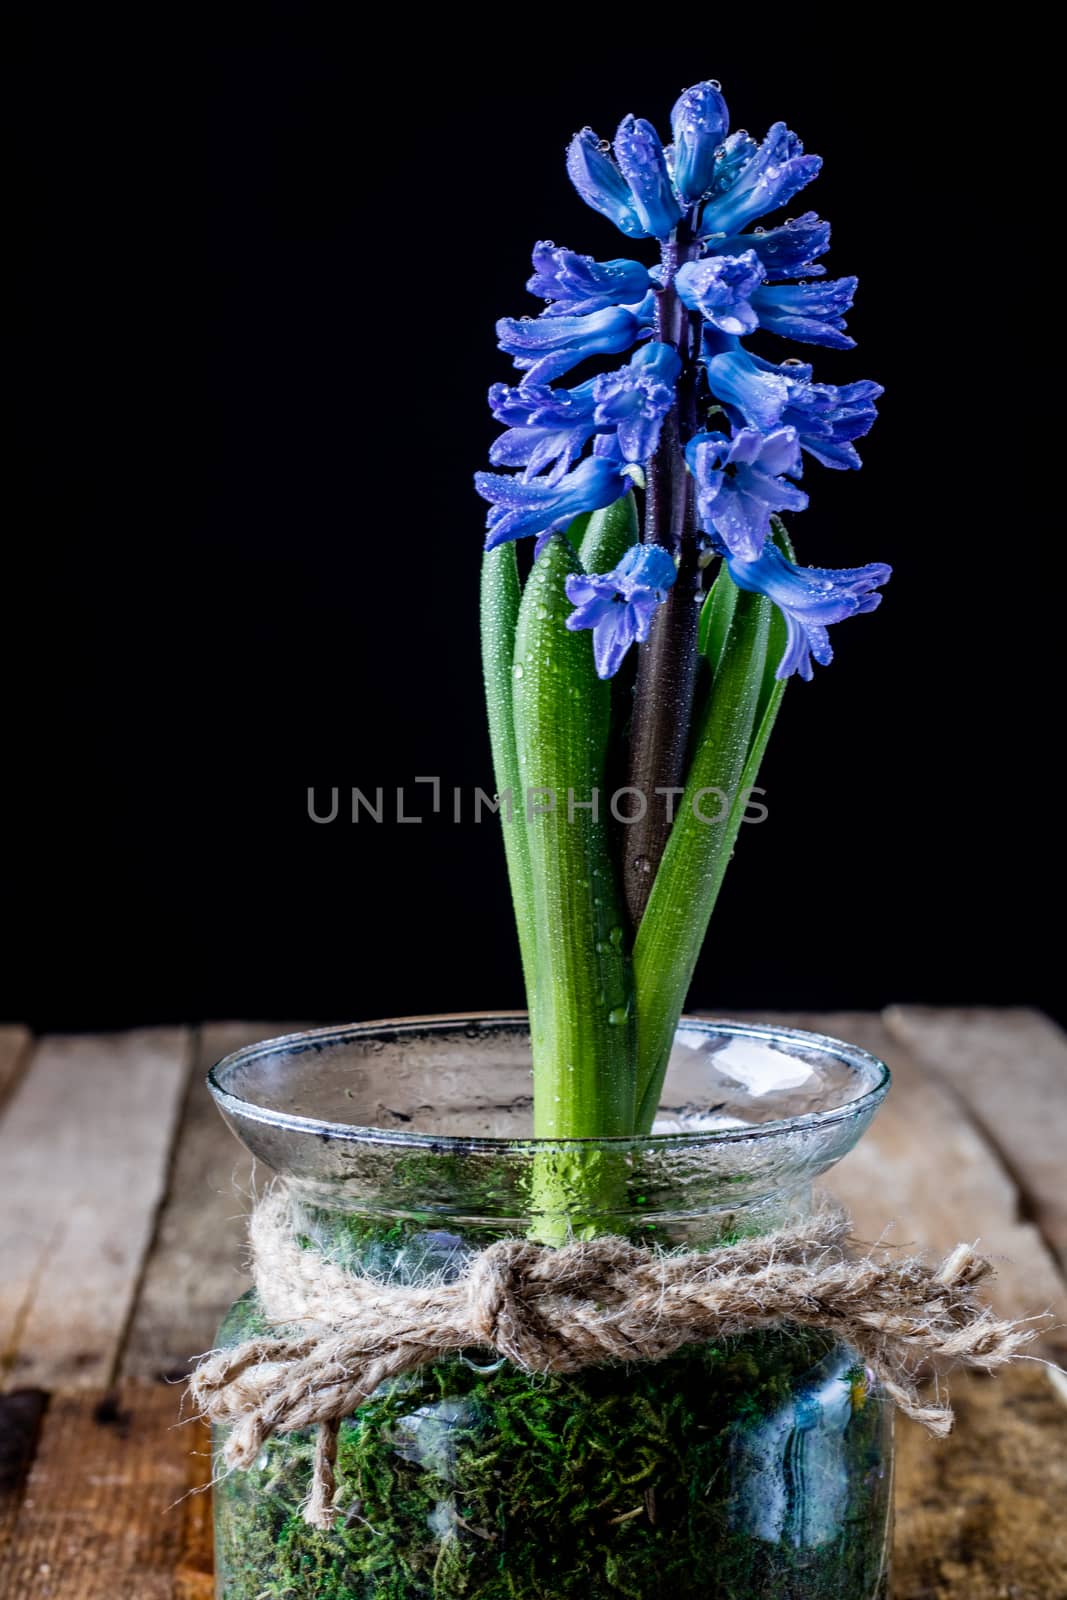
<point>122,1201</point>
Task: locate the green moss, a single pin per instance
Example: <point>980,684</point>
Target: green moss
<point>741,1471</point>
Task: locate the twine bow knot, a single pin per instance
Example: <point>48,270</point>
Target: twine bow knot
<point>587,1304</point>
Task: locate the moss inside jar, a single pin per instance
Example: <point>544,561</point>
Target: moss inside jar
<point>735,1470</point>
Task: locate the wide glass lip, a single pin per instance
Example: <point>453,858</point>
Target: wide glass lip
<point>861,1061</point>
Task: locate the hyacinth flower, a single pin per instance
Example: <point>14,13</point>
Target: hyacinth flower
<point>649,453</point>
<point>808,598</point>
<point>618,606</point>
<point>741,481</point>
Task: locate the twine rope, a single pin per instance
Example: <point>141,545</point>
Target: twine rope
<point>585,1304</point>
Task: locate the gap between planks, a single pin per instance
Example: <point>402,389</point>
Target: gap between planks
<point>196,1265</point>
<point>925,1176</point>
<point>113,1508</point>
<point>85,1144</point>
<point>16,1043</point>
<point>1009,1067</point>
<point>971,1511</point>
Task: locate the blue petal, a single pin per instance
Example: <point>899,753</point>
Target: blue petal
<point>645,566</point>
<point>809,598</point>
<point>519,508</point>
<point>540,449</point>
<point>734,153</point>
<point>533,404</point>
<point>758,390</point>
<point>812,312</point>
<point>738,484</point>
<point>721,287</point>
<point>550,346</point>
<point>636,399</point>
<point>640,156</point>
<point>619,605</point>
<point>591,604</point>
<point>765,180</point>
<point>612,637</point>
<point>827,418</point>
<point>699,122</point>
<point>578,283</point>
<point>601,184</point>
<point>788,251</point>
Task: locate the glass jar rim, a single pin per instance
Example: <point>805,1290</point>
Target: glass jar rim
<point>240,1109</point>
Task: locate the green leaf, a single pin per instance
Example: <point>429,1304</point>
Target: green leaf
<point>501,596</point>
<point>772,688</point>
<point>607,536</point>
<point>736,724</point>
<point>582,1022</point>
<point>716,615</point>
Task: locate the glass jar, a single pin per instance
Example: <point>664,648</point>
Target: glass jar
<point>756,1468</point>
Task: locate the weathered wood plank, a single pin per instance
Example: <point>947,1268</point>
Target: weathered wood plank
<point>20,1423</point>
<point>196,1264</point>
<point>925,1168</point>
<point>84,1152</point>
<point>980,1514</point>
<point>103,1515</point>
<point>15,1042</point>
<point>1010,1069</point>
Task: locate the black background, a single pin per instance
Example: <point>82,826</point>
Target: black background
<point>258,268</point>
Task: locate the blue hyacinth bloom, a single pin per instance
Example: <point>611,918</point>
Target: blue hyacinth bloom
<point>577,449</point>
<point>619,605</point>
<point>739,484</point>
<point>548,428</point>
<point>811,312</point>
<point>520,507</point>
<point>577,284</point>
<point>550,346</point>
<point>601,184</point>
<point>809,598</point>
<point>756,390</point>
<point>698,122</point>
<point>760,180</point>
<point>731,156</point>
<point>828,417</point>
<point>721,288</point>
<point>789,251</point>
<point>644,166</point>
<point>636,399</point>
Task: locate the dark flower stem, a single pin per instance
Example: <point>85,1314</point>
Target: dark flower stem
<point>667,666</point>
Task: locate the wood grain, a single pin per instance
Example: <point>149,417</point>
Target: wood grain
<point>980,1515</point>
<point>196,1265</point>
<point>21,1414</point>
<point>104,1515</point>
<point>15,1042</point>
<point>124,1195</point>
<point>928,1173</point>
<point>84,1152</point>
<point>1010,1070</point>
